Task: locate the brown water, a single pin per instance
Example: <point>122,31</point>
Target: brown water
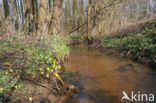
<point>101,78</point>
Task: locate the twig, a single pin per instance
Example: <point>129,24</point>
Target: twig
<point>148,61</point>
<point>60,80</point>
<point>86,22</point>
<point>43,85</point>
<point>128,52</point>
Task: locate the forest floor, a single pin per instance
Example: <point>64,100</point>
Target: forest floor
<point>137,42</point>
<point>27,65</point>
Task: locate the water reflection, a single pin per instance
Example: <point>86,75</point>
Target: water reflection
<point>102,78</point>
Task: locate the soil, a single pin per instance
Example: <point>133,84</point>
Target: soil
<point>43,95</point>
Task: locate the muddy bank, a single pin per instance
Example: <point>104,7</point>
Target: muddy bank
<point>41,94</point>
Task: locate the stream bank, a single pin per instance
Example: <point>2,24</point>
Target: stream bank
<point>137,46</point>
<point>136,41</point>
<point>101,78</point>
<point>30,68</point>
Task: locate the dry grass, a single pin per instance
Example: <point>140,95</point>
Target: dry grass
<point>134,27</point>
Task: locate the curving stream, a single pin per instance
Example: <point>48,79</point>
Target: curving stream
<point>102,78</point>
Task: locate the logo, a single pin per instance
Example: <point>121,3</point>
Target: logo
<point>138,97</point>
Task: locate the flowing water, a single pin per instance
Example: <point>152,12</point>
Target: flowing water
<point>102,78</point>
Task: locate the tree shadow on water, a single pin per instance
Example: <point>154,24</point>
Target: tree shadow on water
<point>102,96</point>
<point>86,92</point>
<point>45,100</point>
<point>126,68</point>
<point>94,96</point>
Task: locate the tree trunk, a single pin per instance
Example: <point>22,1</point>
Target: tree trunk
<point>35,14</point>
<point>74,13</point>
<point>67,15</point>
<point>82,16</point>
<point>42,17</point>
<point>28,14</point>
<point>22,13</point>
<point>6,8</point>
<point>55,20</point>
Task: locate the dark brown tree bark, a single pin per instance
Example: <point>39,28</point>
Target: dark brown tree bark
<point>35,14</point>
<point>6,8</point>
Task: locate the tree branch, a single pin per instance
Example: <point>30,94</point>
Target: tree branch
<point>86,22</point>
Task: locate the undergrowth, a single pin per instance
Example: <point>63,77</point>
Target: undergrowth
<point>76,37</point>
<point>134,42</point>
<point>20,58</point>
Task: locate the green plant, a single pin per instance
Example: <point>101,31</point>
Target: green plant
<point>33,58</point>
<point>75,37</point>
<point>134,42</point>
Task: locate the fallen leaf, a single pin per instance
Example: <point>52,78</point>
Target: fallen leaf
<point>7,64</point>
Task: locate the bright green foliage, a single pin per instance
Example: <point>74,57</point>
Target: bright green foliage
<point>10,81</point>
<point>76,37</point>
<point>135,42</point>
<point>41,59</point>
<point>59,45</point>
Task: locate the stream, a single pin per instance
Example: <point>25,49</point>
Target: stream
<point>102,78</point>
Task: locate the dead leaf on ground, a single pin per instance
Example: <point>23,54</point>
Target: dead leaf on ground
<point>7,64</point>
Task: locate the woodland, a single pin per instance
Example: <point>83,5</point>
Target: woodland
<point>35,39</point>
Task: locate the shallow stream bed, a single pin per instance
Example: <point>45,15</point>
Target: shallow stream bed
<point>102,78</point>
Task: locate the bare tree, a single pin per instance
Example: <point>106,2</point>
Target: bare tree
<point>74,13</point>
<point>67,14</point>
